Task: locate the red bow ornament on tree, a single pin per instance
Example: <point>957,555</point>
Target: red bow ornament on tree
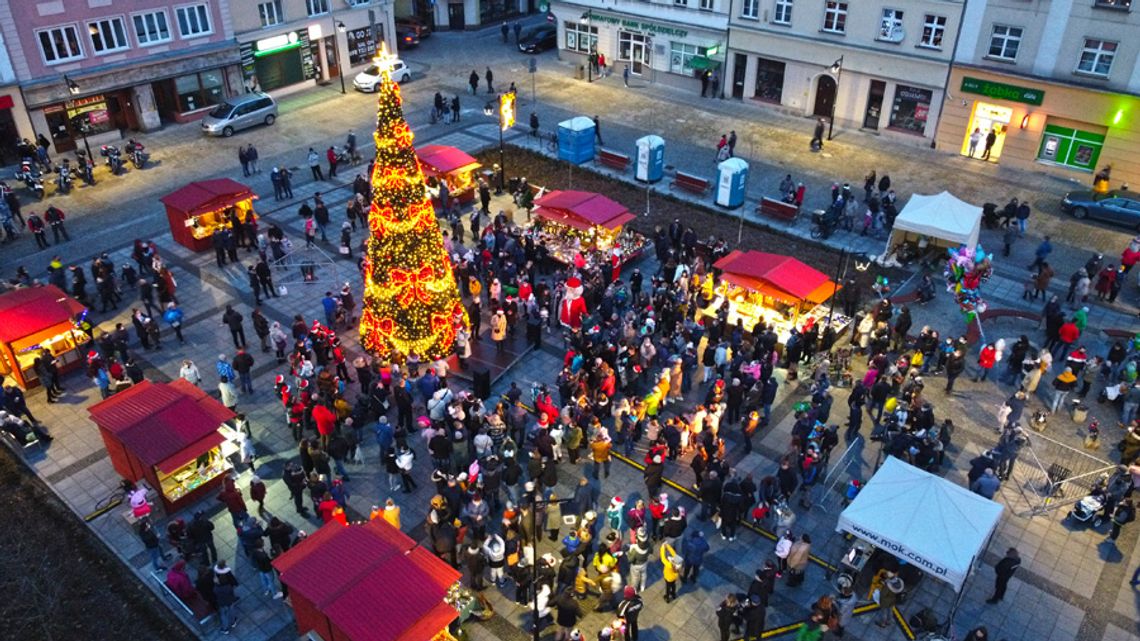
<point>412,284</point>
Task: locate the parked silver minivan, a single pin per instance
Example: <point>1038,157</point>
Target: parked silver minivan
<point>240,112</point>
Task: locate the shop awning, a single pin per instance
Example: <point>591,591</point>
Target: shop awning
<point>784,273</point>
<point>701,63</point>
<point>165,425</point>
<point>27,311</point>
<point>439,159</point>
<point>589,208</point>
<point>205,196</point>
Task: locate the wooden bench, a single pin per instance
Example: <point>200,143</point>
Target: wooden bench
<point>690,183</point>
<point>972,333</point>
<point>777,209</point>
<point>1122,334</point>
<point>613,159</point>
<point>198,609</point>
<point>903,299</point>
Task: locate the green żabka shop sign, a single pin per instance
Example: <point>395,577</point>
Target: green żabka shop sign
<point>1002,91</point>
<point>637,25</point>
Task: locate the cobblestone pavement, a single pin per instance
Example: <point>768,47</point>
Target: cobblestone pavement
<point>1072,584</point>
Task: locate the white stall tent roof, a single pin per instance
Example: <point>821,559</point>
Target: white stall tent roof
<point>922,519</point>
<point>941,216</point>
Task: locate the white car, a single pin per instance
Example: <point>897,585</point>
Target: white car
<point>368,79</point>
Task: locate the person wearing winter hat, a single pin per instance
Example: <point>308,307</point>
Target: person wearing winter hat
<point>638,558</point>
<point>671,563</point>
<point>628,609</point>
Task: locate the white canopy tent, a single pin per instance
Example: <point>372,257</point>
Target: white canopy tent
<point>940,217</point>
<point>925,520</point>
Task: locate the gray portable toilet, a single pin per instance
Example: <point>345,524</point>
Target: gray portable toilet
<point>732,176</point>
<point>650,159</point>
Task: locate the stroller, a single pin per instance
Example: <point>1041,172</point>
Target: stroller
<point>1086,509</point>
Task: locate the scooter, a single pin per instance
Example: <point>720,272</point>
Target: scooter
<point>31,178</point>
<point>85,167</point>
<point>63,177</point>
<point>114,158</point>
<point>138,156</point>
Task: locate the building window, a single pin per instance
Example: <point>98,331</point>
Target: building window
<point>151,28</point>
<point>783,12</point>
<point>707,5</point>
<point>199,90</point>
<point>681,3</point>
<point>579,37</point>
<point>1004,42</point>
<point>193,20</point>
<point>933,27</point>
<point>317,7</point>
<point>1119,5</point>
<point>835,17</point>
<point>1073,148</point>
<point>891,26</point>
<point>60,44</point>
<point>681,57</point>
<point>769,80</point>
<point>270,13</point>
<point>108,35</point>
<point>1096,57</point>
<point>750,9</point>
<point>911,109</point>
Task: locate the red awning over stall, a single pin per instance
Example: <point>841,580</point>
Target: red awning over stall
<point>438,160</point>
<point>207,195</point>
<point>28,310</point>
<point>586,209</point>
<point>339,574</point>
<point>781,277</point>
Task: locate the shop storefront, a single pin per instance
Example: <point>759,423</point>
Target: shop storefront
<point>278,61</point>
<point>911,109</point>
<point>38,322</point>
<point>14,124</point>
<point>1066,130</point>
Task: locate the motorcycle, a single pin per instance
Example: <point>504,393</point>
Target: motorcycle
<point>31,178</point>
<point>63,177</point>
<point>114,158</point>
<point>85,167</point>
<point>138,156</point>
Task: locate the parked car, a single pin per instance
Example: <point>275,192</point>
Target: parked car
<point>540,38</point>
<point>240,112</point>
<point>369,79</point>
<point>412,23</point>
<point>407,38</point>
<point>1118,206</point>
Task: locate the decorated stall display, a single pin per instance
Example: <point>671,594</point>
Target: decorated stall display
<point>39,322</point>
<point>777,290</point>
<point>581,227</point>
<point>411,300</point>
<point>456,168</point>
<point>340,572</point>
<point>965,272</point>
<point>572,307</point>
<point>173,436</point>
<point>199,208</point>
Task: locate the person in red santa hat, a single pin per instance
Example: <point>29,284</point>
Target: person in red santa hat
<point>572,308</point>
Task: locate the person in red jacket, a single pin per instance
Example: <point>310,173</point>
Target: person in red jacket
<point>986,360</point>
<point>325,420</point>
<point>1068,335</point>
<point>232,498</point>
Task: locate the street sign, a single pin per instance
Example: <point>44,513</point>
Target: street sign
<point>532,66</point>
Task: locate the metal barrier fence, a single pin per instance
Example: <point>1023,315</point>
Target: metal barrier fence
<point>839,473</point>
<point>1051,474</point>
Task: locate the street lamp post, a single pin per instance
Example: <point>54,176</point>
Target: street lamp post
<point>837,69</point>
<point>535,502</point>
<point>862,263</point>
<point>588,18</point>
<point>73,89</point>
<point>340,28</point>
<point>506,116</point>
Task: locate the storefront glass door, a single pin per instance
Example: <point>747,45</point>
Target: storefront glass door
<point>634,49</point>
<point>986,118</point>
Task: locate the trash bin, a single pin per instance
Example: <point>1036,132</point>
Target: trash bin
<point>1080,412</point>
<point>580,72</point>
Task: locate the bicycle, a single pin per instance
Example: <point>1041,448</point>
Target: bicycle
<point>551,140</point>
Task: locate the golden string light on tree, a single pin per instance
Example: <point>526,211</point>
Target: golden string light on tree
<point>411,301</point>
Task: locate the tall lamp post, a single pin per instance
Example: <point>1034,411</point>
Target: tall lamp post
<point>73,89</point>
<point>535,502</point>
<point>506,121</point>
<point>837,69</point>
<point>340,28</point>
<point>588,19</point>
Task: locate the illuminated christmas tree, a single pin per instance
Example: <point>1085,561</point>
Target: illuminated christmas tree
<point>411,301</point>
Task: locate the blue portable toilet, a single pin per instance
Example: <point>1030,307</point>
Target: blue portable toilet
<point>650,159</point>
<point>732,176</point>
<point>576,140</point>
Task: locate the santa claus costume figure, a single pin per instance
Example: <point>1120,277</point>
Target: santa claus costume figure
<point>572,309</point>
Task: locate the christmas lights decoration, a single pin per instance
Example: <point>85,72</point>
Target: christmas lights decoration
<point>411,301</point>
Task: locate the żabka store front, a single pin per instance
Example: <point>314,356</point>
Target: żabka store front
<point>1035,124</point>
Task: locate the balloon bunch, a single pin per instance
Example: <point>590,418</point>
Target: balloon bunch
<point>964,272</point>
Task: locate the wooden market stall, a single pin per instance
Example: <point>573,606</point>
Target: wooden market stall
<point>440,162</point>
<point>771,288</point>
<point>368,582</point>
<point>35,319</point>
<point>196,210</point>
<point>173,436</point>
<point>582,221</point>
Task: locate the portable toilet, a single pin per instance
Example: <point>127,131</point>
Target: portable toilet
<point>650,159</point>
<point>576,140</point>
<point>732,175</point>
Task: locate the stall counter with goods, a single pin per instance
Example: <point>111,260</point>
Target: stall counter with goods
<point>39,322</point>
<point>580,225</point>
<point>198,209</point>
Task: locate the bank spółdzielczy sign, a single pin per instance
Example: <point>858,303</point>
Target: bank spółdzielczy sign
<point>1001,91</point>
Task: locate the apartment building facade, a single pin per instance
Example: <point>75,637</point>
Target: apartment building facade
<point>673,42</point>
<point>14,122</point>
<point>104,67</point>
<point>1056,82</point>
<point>293,44</point>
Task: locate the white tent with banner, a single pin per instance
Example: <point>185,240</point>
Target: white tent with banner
<point>925,520</point>
<point>942,219</point>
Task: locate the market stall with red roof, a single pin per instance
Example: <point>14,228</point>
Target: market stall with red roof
<point>775,289</point>
<point>580,227</point>
<point>39,322</point>
<point>173,436</point>
<point>440,162</point>
<point>199,208</point>
<point>368,582</point>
